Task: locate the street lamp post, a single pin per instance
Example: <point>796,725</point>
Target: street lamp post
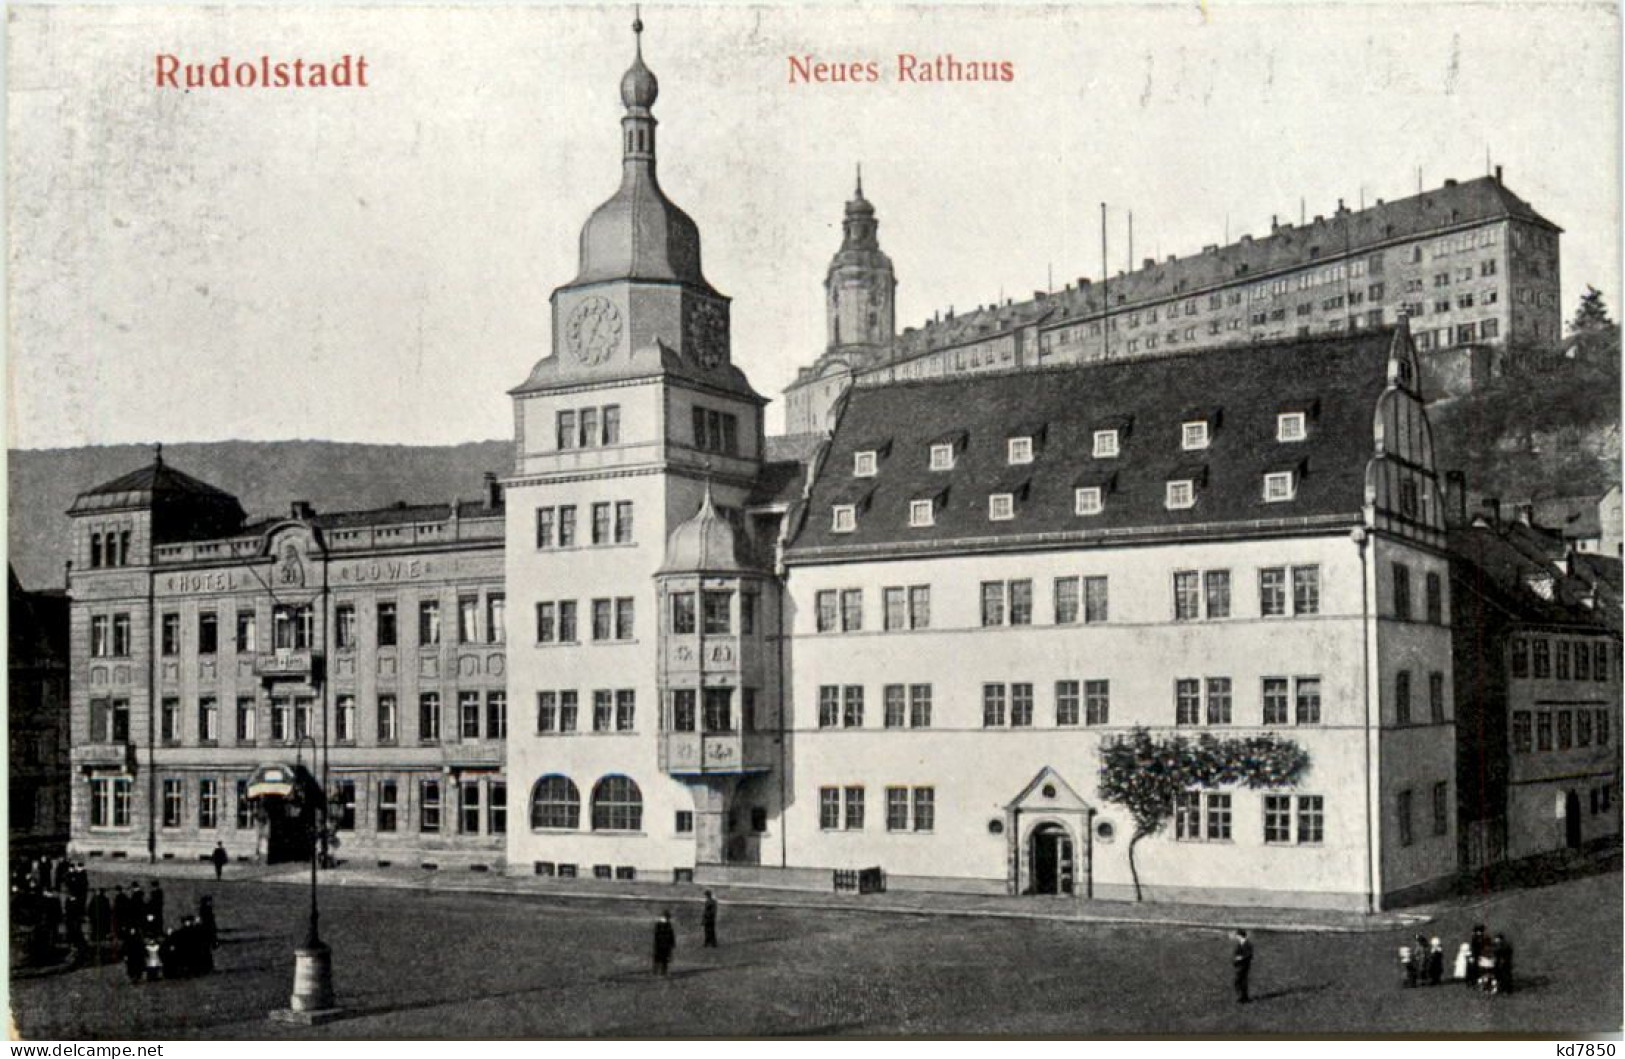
<point>313,961</point>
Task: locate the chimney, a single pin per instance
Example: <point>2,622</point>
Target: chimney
<point>1455,498</point>
<point>1341,209</point>
<point>493,491</point>
<point>1275,222</point>
<point>1450,182</point>
<point>1172,258</point>
<point>1148,262</point>
<point>1493,506</point>
<point>301,509</point>
<point>1498,174</point>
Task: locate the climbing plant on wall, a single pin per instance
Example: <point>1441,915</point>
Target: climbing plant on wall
<point>1145,774</point>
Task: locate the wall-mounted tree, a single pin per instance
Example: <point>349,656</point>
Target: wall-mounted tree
<point>1145,774</point>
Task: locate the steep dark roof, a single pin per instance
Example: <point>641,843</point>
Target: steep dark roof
<point>154,481</point>
<point>779,482</point>
<point>1344,374</point>
<point>1499,563</point>
<point>395,515</point>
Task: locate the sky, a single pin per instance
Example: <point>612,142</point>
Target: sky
<point>375,264</point>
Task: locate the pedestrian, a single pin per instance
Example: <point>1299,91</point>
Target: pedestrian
<point>138,906</point>
<point>1242,962</point>
<point>218,858</point>
<point>1407,966</point>
<point>665,942</point>
<point>1501,952</point>
<point>155,905</point>
<point>135,960</point>
<point>118,923</point>
<point>1464,962</point>
<point>100,913</point>
<point>1476,944</point>
<point>153,950</point>
<point>708,919</point>
<point>74,919</point>
<point>1435,962</point>
<point>205,918</point>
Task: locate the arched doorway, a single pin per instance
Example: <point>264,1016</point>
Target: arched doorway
<point>1571,820</point>
<point>1052,859</point>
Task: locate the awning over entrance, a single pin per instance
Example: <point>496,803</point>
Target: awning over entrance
<point>280,780</point>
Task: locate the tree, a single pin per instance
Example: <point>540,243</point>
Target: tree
<point>1145,774</point>
<point>1592,315</point>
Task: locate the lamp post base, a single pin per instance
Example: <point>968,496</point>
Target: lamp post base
<point>312,979</point>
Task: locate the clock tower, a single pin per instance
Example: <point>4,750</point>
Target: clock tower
<point>636,424</point>
<point>860,287</point>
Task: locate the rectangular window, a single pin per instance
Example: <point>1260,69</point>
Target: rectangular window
<point>1289,426</point>
<point>829,808</point>
<point>245,808</point>
<point>1021,705</point>
<point>1582,660</point>
<point>1188,816</point>
<point>623,522</point>
<point>1105,444</point>
<point>1097,700</point>
<point>854,808</point>
<point>246,712</point>
<point>428,622</point>
<point>496,811</point>
<point>468,619</point>
<point>1275,700</point>
<point>344,719</point>
<point>1436,697</point>
<point>247,641</point>
<point>1187,598</point>
<point>388,804</point>
<point>1543,658</point>
<point>174,801</point>
<point>1441,808</point>
<point>1181,493</point>
<point>1021,602</point>
<point>567,621</point>
<point>1565,730</point>
<point>1599,663</point>
<point>387,720</point>
<point>1218,700</point>
<point>601,619</point>
<point>496,715</point>
<point>1278,486</point>
<point>852,610</point>
<point>1435,597</point>
<point>919,705</point>
<point>386,625</point>
<point>612,424</point>
<point>429,717</point>
<point>1272,591</point>
<point>716,612</point>
<point>468,715</point>
<point>208,633</point>
<point>1562,660</point>
<point>1306,590</point>
<point>1402,697</point>
<point>546,526</point>
<point>992,705</point>
<point>344,626</point>
<point>600,523</point>
<point>1066,702</point>
<point>825,606</point>
<point>925,808</point>
<point>1086,500</point>
<point>919,606</point>
<point>1582,728</point>
<point>589,427</point>
<point>896,808</point>
<point>101,641</point>
<point>171,635</point>
<point>1216,585</point>
<point>1402,592</point>
<point>942,457</point>
<point>169,721</point>
<point>895,615</point>
<point>565,435</point>
<point>344,805</point>
<point>208,719</point>
<point>1602,727</point>
<point>992,602</point>
<point>1218,817</point>
<point>1187,701</point>
<point>1543,730</point>
<point>429,806</point>
<point>1520,657</point>
<point>468,817</point>
<point>603,711</point>
<point>852,706</point>
<point>567,526</point>
<point>1403,809</point>
<point>1522,732</point>
<point>683,709</point>
<point>1066,600</point>
<point>1095,600</point>
<point>567,711</point>
<point>1311,819</point>
<point>922,513</point>
<point>208,803</point>
<point>1193,436</point>
<point>829,705</point>
<point>895,706</point>
<point>1308,700</point>
<point>121,635</point>
<point>1277,818</point>
<point>1001,507</point>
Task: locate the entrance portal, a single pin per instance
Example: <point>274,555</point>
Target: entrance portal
<point>286,832</point>
<point>1571,820</point>
<point>1052,860</point>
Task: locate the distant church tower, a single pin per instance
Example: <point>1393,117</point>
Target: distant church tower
<point>859,288</point>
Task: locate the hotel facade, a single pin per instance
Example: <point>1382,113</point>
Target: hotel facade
<point>676,657</point>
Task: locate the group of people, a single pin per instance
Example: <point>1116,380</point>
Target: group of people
<point>49,899</point>
<point>184,952</point>
<point>666,934</point>
<point>1482,962</point>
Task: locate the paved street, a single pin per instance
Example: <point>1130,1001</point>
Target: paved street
<point>434,964</point>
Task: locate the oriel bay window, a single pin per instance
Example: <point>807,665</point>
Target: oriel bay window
<point>717,607</point>
<point>682,613</point>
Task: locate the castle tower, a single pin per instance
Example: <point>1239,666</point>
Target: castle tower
<point>860,286</point>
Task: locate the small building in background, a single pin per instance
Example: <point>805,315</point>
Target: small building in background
<point>36,720</point>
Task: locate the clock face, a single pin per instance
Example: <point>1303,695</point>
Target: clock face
<point>707,333</point>
<point>594,330</point>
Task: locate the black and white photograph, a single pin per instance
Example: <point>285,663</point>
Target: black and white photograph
<point>736,521</point>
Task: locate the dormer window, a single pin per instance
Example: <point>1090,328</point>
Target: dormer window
<point>942,456</point>
<point>1021,450</point>
<point>1105,444</point>
<point>845,518</point>
<point>1001,507</point>
<point>1193,436</point>
<point>1290,426</point>
<point>865,463</point>
<point>1279,486</point>
<point>1181,494</point>
<point>922,513</point>
<point>1088,500</point>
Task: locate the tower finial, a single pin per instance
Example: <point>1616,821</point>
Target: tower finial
<point>158,453</point>
<point>637,26</point>
<point>860,180</point>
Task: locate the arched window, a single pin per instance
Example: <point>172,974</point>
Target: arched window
<point>555,803</point>
<point>617,805</point>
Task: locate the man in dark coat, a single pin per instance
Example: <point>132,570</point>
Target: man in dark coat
<point>138,907</point>
<point>1241,962</point>
<point>1501,949</point>
<point>708,919</point>
<point>123,916</point>
<point>218,858</point>
<point>101,916</point>
<point>73,918</point>
<point>665,942</point>
<point>206,922</point>
<point>155,905</point>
